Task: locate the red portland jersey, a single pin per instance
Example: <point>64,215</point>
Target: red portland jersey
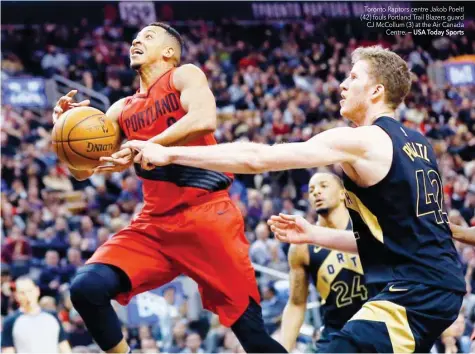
<point>165,188</point>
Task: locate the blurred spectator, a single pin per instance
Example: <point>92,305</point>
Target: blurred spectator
<point>149,345</point>
<point>131,195</point>
<point>179,337</point>
<point>193,343</point>
<point>16,252</point>
<point>7,285</point>
<point>89,233</point>
<point>53,61</point>
<point>50,277</point>
<point>48,303</point>
<point>272,308</point>
<point>260,249</point>
<point>74,261</point>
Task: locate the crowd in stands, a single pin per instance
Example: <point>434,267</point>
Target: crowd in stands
<point>279,85</point>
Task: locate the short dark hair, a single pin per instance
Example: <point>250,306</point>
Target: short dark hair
<point>191,332</point>
<point>170,30</point>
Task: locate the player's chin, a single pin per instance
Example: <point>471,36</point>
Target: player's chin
<point>322,210</point>
<point>135,64</point>
<point>345,112</point>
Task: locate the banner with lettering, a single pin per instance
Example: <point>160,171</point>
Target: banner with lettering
<point>137,13</point>
<point>24,92</point>
<point>460,71</point>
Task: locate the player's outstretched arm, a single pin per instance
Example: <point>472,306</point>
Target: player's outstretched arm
<point>463,234</point>
<point>330,147</point>
<point>297,230</point>
<point>294,312</point>
<point>198,101</point>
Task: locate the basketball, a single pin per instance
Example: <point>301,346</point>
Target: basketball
<point>82,135</point>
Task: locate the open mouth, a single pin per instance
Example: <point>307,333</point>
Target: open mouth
<point>136,51</point>
<point>319,202</point>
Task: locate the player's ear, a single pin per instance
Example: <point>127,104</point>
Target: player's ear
<point>342,195</point>
<point>168,52</point>
<point>378,91</point>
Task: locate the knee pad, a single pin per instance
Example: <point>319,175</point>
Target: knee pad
<point>95,284</point>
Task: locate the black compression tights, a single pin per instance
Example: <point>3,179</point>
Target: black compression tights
<point>250,331</point>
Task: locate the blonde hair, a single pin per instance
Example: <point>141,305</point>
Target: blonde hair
<point>388,69</point>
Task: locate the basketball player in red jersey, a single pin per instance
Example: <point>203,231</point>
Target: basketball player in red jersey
<point>188,224</point>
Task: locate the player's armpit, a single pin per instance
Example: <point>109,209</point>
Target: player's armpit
<point>198,101</point>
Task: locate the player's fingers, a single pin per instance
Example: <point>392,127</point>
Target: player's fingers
<point>82,103</point>
<point>149,166</point>
<point>101,169</point>
<point>138,158</point>
<point>280,235</point>
<point>301,223</point>
<point>146,164</point>
<point>57,111</point>
<point>287,217</point>
<point>65,100</point>
<point>134,145</point>
<point>143,162</point>
<point>276,218</point>
<point>107,159</point>
<point>122,161</point>
<point>281,226</point>
<point>71,93</point>
<point>121,153</point>
<point>277,230</point>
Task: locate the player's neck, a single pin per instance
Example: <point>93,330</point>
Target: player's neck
<point>31,309</point>
<point>150,74</point>
<point>376,111</point>
<point>336,219</point>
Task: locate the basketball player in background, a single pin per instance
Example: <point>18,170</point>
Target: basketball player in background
<point>188,224</point>
<point>394,196</point>
<point>338,276</point>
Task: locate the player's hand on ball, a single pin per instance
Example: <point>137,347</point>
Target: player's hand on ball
<point>290,228</point>
<point>65,103</point>
<point>117,162</point>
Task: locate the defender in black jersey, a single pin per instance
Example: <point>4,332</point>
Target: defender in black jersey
<point>395,197</point>
<point>338,276</point>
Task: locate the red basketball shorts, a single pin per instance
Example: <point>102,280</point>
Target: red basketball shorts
<point>205,241</point>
